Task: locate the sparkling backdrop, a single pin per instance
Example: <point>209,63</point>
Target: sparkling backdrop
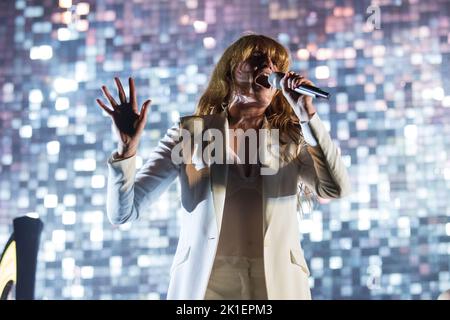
<point>389,114</point>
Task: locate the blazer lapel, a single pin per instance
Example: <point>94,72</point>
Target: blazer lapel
<point>219,171</point>
<point>197,126</point>
<point>269,166</point>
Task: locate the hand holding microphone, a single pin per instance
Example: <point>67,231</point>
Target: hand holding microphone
<point>302,88</point>
<point>298,91</point>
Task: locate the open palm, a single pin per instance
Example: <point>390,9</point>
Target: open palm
<point>128,122</point>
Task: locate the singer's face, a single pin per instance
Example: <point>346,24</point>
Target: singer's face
<point>246,74</point>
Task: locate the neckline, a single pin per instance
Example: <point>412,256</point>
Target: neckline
<point>238,170</point>
<point>265,123</point>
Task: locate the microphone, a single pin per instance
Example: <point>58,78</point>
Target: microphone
<point>275,78</point>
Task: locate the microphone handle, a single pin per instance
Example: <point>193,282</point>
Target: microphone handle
<point>312,91</point>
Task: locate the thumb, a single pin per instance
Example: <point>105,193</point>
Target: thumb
<point>144,109</point>
<point>143,114</point>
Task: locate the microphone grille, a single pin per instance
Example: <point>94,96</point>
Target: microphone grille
<point>275,78</point>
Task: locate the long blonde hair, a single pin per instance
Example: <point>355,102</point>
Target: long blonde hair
<point>221,87</point>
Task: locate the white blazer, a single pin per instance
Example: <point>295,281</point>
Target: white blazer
<point>203,195</point>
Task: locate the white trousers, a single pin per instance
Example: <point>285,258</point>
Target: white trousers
<point>235,277</point>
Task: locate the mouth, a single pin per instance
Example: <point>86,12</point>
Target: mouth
<point>262,80</point>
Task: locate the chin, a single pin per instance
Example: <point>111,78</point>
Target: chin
<point>265,100</point>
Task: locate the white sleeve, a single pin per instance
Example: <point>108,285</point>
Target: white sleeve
<point>128,192</point>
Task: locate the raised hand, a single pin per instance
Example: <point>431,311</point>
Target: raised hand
<point>128,122</point>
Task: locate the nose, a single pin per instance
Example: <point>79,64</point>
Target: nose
<point>265,62</point>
